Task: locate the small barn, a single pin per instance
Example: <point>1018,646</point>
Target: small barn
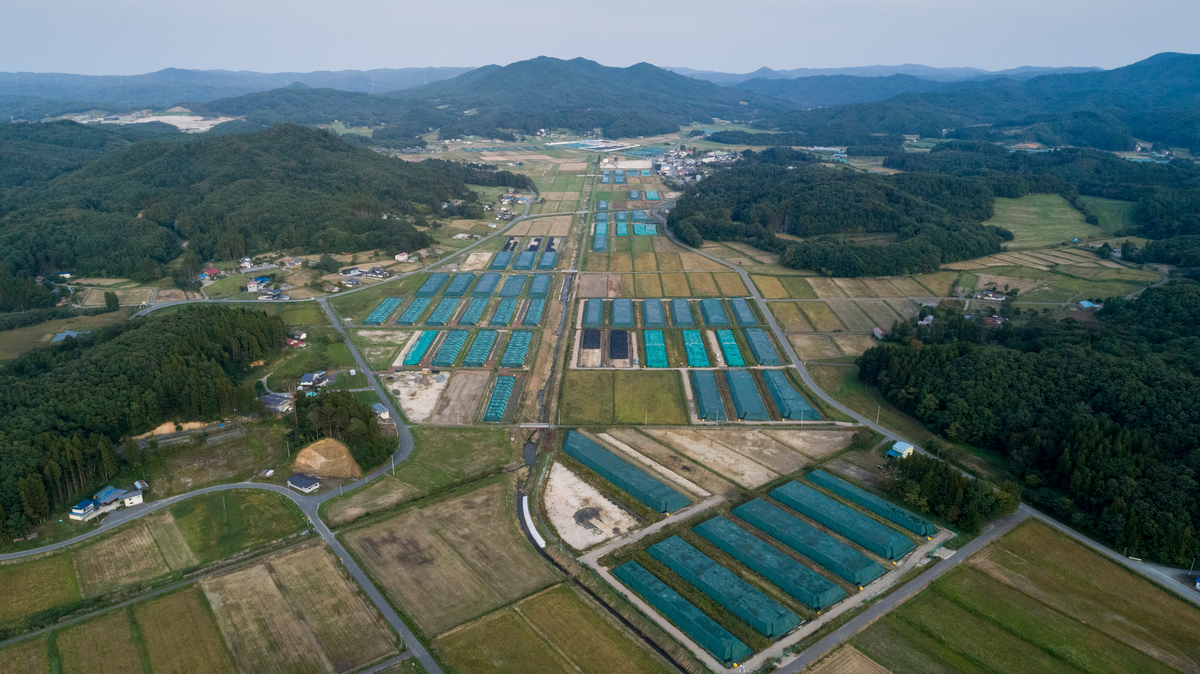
<point>132,498</point>
<point>304,483</point>
<point>381,411</point>
<point>900,450</point>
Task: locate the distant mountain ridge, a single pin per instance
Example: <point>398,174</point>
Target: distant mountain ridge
<point>174,85</point>
<point>911,69</point>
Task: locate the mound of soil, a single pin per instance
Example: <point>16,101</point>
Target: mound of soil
<point>327,458</point>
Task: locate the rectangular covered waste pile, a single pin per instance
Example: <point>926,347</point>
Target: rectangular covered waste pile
<point>746,399</point>
<point>482,346</point>
<point>533,315</point>
<point>725,587</point>
<point>450,348</point>
<point>841,559</point>
<point>525,260</point>
<point>504,312</point>
<point>693,344</point>
<point>418,349</point>
<point>593,313</point>
<point>514,352</point>
<point>487,285</point>
<point>624,475</point>
<point>656,349</point>
<point>591,339</point>
<point>501,260</point>
<point>540,286</point>
<point>622,313</point>
<point>414,311</point>
<point>653,315</point>
<point>695,624</point>
<point>444,311</point>
<point>805,585</point>
<point>789,403</point>
<point>681,314</point>
<point>459,284</point>
<point>708,398</point>
<point>713,313</point>
<point>742,312</point>
<point>729,348</point>
<point>498,401</point>
<point>618,345</point>
<point>549,259</point>
<point>432,285</point>
<point>474,311</point>
<point>761,347</point>
<point>878,538</point>
<point>513,285</point>
<point>885,509</point>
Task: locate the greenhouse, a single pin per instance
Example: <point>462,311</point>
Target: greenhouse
<point>729,349</point>
<point>444,311</point>
<point>742,312</point>
<point>498,401</point>
<point>474,311</point>
<point>656,349</point>
<point>381,312</point>
<point>593,313</point>
<point>513,285</point>
<point>501,260</point>
<point>533,315</point>
<point>540,286</point>
<point>622,313</point>
<point>693,344</point>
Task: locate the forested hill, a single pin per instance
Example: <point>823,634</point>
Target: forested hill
<point>287,187</point>
<point>63,408</point>
<point>1156,99</point>
<point>523,97</point>
<point>1100,423</point>
<point>935,219</point>
<point>828,90</point>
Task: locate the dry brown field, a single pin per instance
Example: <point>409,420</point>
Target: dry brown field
<point>102,645</point>
<point>128,557</point>
<point>669,262</point>
<point>851,315</point>
<point>674,461</point>
<point>702,285</point>
<point>825,287</point>
<point>647,285</point>
<point>854,287</point>
<point>848,660</point>
<point>814,347</point>
<point>645,262</point>
<point>381,493</point>
<point>95,297</point>
<point>716,456</point>
<point>26,657</point>
<point>730,284</point>
<point>770,287</point>
<point>50,582</point>
<point>181,636</point>
<point>675,285</point>
<point>820,315</point>
<point>789,317</point>
<point>853,345</point>
<point>460,403</point>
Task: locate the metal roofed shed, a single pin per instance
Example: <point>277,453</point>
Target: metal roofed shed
<point>304,483</point>
<point>432,285</point>
<point>624,475</point>
<point>699,627</point>
<point>761,347</point>
<point>885,509</point>
<point>900,450</point>
<point>593,313</point>
<point>725,587</point>
<point>841,559</point>
<point>540,286</point>
<point>501,260</point>
<point>459,284</point>
<point>788,401</point>
<point>622,313</point>
<point>729,348</point>
<point>746,399</point>
<point>882,540</point>
<point>805,585</point>
<point>709,406</point>
<point>487,285</point>
<point>681,314</point>
<point>653,314</point>
<point>713,313</point>
<point>742,312</point>
<point>513,286</point>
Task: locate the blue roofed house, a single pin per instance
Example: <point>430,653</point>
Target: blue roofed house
<point>82,510</point>
<point>900,450</point>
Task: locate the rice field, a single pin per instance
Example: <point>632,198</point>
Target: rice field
<point>47,582</point>
<point>789,317</point>
<point>703,285</point>
<point>103,645</point>
<point>127,557</point>
<point>821,316</point>
<point>26,657</point>
<point>180,634</point>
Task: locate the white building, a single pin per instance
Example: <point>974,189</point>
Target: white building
<point>132,498</point>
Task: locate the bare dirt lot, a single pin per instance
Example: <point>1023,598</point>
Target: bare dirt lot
<point>848,660</point>
<point>759,447</point>
<point>593,285</point>
<point>417,393</point>
<point>813,444</point>
<point>460,404</point>
<point>580,514</point>
<point>716,456</point>
<point>327,458</point>
<point>476,260</point>
<point>676,462</point>
<point>175,295</point>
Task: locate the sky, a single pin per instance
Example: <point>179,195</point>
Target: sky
<point>125,37</point>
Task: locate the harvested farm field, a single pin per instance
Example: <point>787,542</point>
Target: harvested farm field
<point>101,645</point>
<point>459,405</point>
<point>327,458</point>
<point>674,461</point>
<point>853,345</point>
<point>814,347</point>
<point>848,660</point>
<point>453,560</point>
<point>170,541</point>
<point>716,456</point>
<point>377,495</point>
<point>815,445</point>
<point>181,635</point>
<point>25,657</point>
<point>759,447</point>
<point>582,516</point>
<point>50,582</point>
<point>128,557</point>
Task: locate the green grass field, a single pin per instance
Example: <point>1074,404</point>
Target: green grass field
<point>295,313</point>
<point>30,587</point>
<point>606,397</point>
<point>1037,601</point>
<point>219,524</point>
<point>318,355</point>
<point>1040,220</point>
<point>1061,286</point>
<point>1114,215</point>
<point>587,397</point>
<point>356,305</point>
<point>15,342</point>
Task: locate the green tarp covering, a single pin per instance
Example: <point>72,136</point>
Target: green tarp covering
<point>414,311</point>
<point>486,286</point>
<point>708,397</point>
<point>843,560</point>
<point>498,401</point>
<point>656,349</point>
<point>525,260</point>
<point>698,627</point>
<point>417,352</point>
<point>681,314</point>
<point>885,509</point>
<point>622,313</point>
<point>513,285</point>
<point>623,474</point>
<point>448,352</point>
<point>381,312</point>
<point>789,403</point>
<point>515,350</point>
<point>504,312</point>
<point>725,587</point>
<point>729,349</point>
<point>653,314</point>
<point>432,285</point>
<point>693,344</point>
<point>805,585</point>
<point>713,313</point>
<point>593,313</point>
<point>480,348</point>
<point>540,286</point>
<point>878,538</point>
<point>533,315</point>
<point>548,260</point>
<point>444,311</point>
<point>459,284</point>
<point>474,311</point>
<point>501,260</point>
<point>742,312</point>
<point>746,400</point>
<point>761,347</point>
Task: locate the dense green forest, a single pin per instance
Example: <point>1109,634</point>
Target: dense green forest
<point>935,217</point>
<point>1100,422</point>
<point>64,408</point>
<point>494,101</point>
<point>86,200</point>
<point>821,91</point>
<point>338,414</point>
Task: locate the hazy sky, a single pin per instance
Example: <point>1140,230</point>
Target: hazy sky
<point>134,36</point>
